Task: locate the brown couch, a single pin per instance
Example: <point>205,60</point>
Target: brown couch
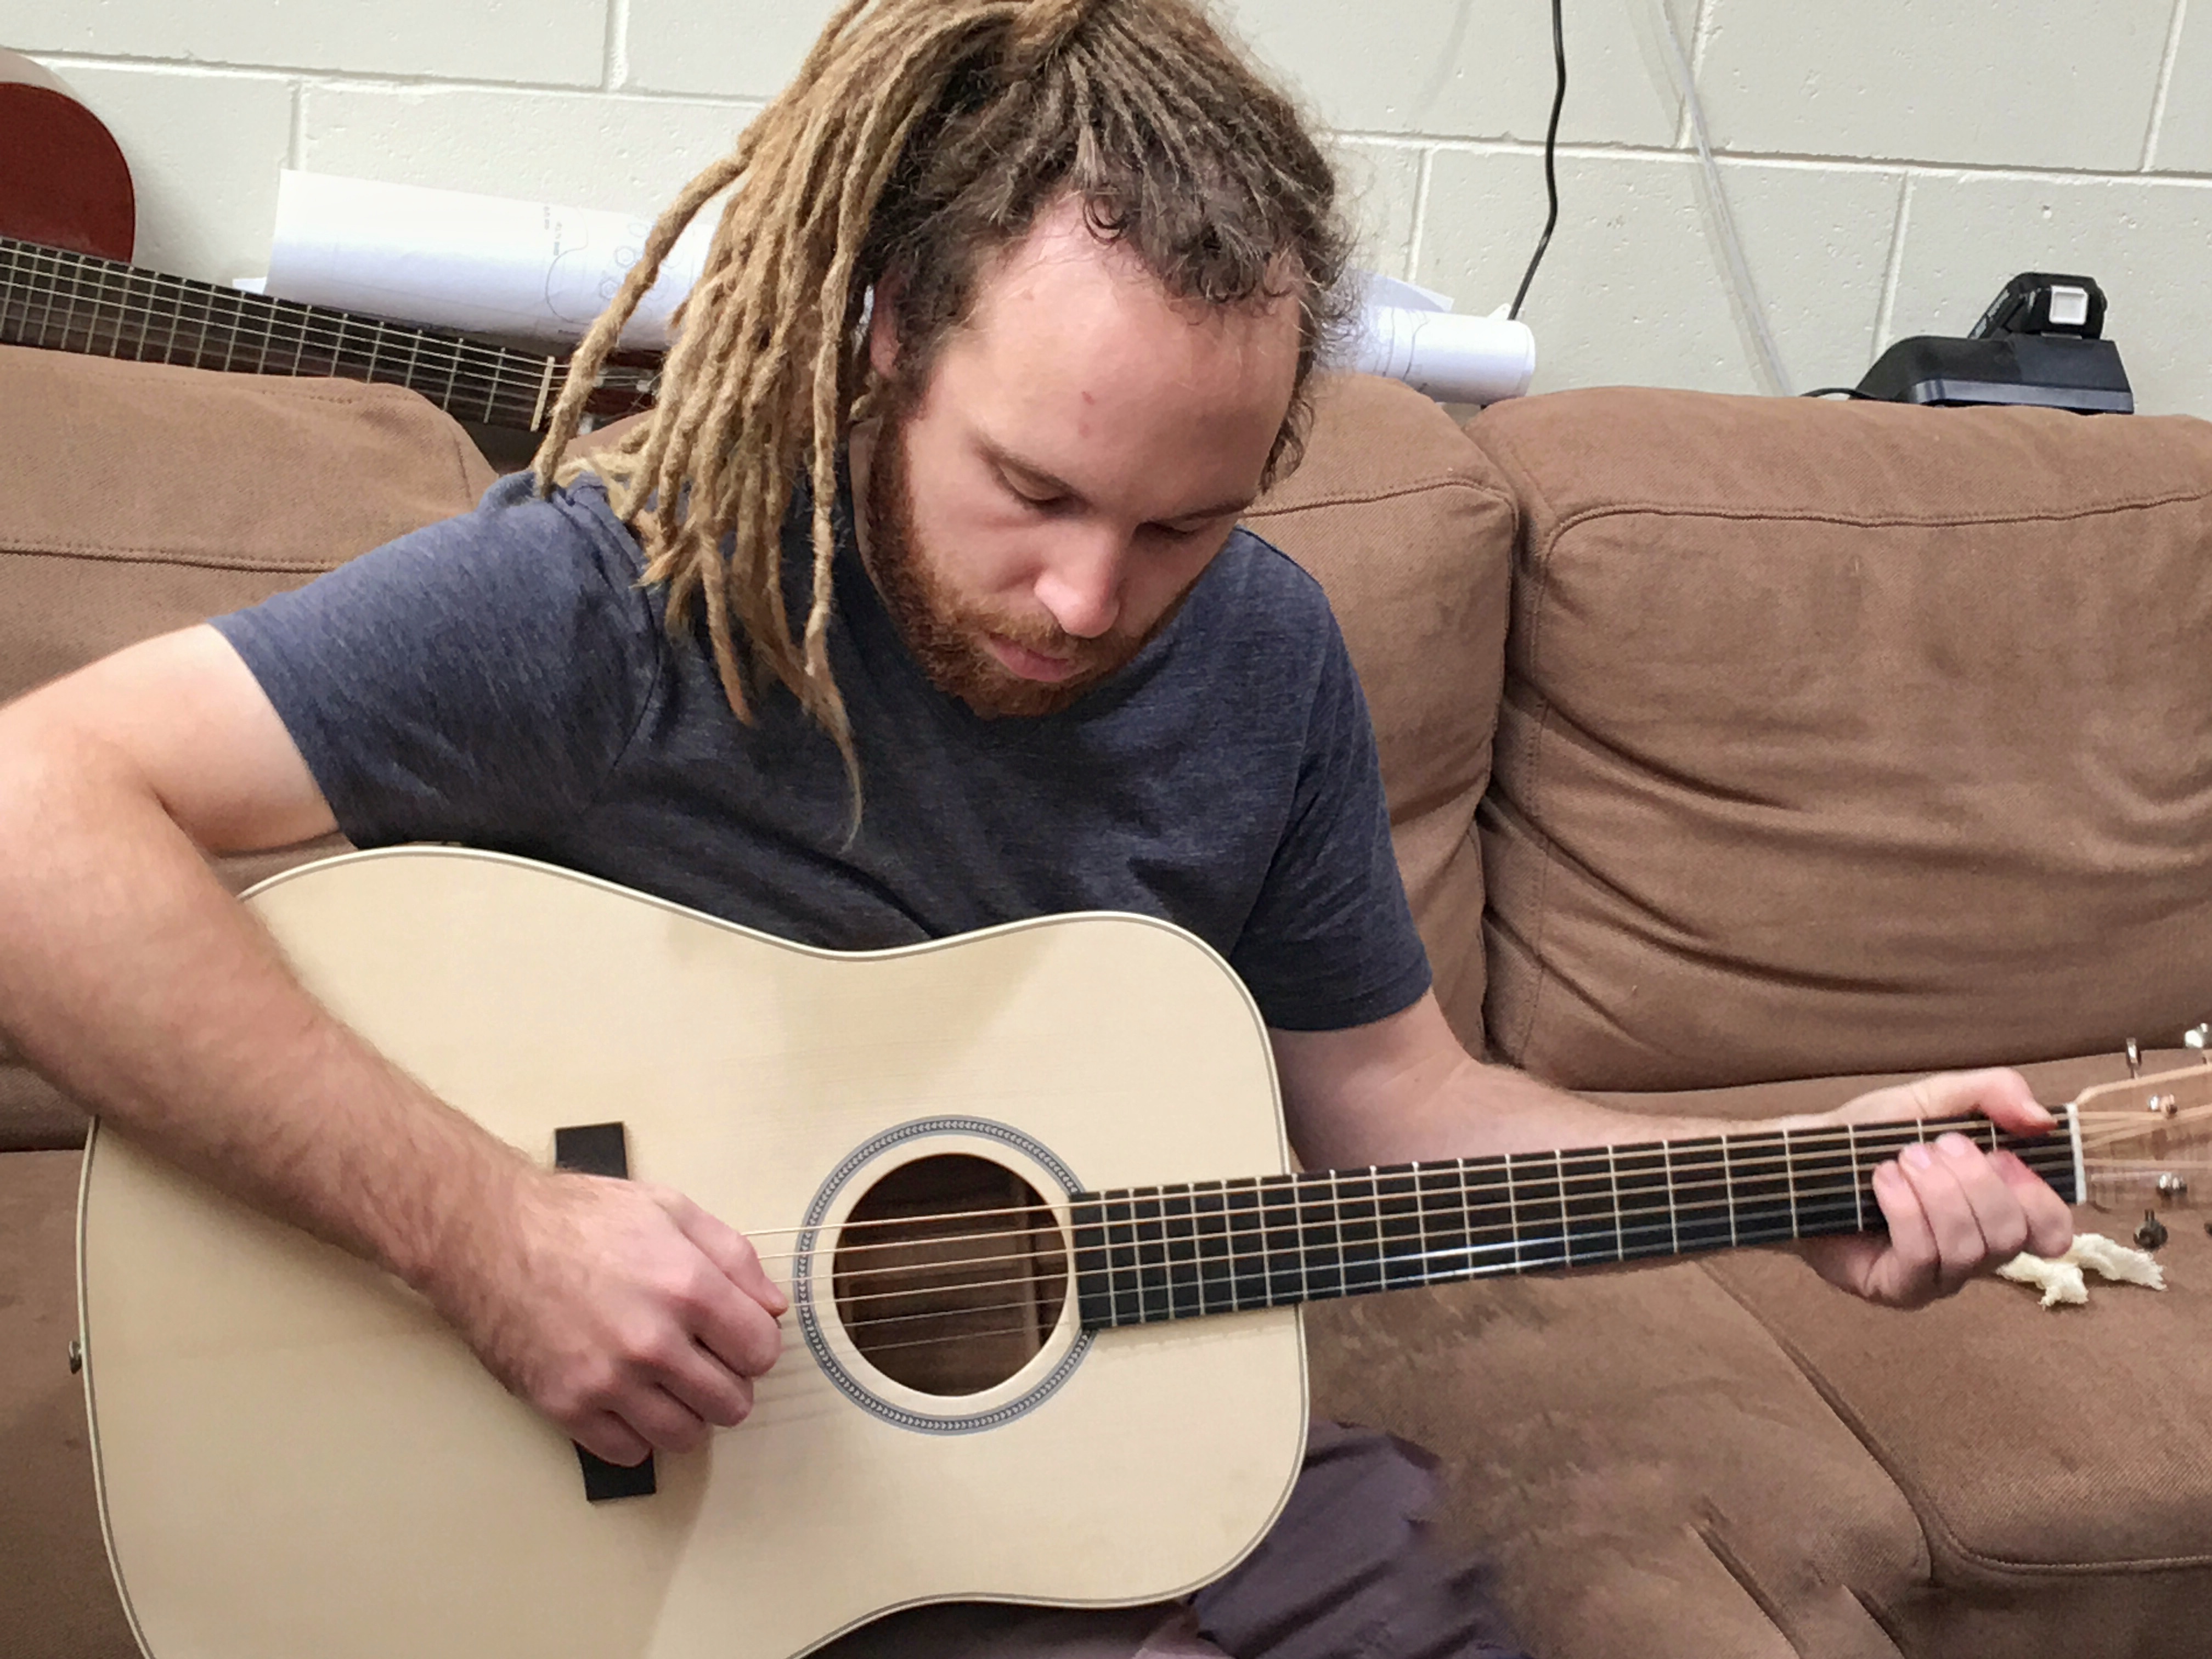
<point>1829,741</point>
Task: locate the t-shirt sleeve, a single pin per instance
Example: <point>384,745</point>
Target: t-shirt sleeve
<point>474,681</point>
<point>1331,942</point>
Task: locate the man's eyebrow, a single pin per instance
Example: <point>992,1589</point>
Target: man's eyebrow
<point>1034,474</point>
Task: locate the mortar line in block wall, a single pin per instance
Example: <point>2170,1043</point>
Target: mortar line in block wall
<point>1445,143</point>
<point>296,151</point>
<point>1421,183</point>
<point>1893,267</point>
<point>1700,32</point>
<point>2165,85</point>
<point>371,80</point>
<point>617,53</point>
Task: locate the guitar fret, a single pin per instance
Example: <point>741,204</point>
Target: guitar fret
<point>1283,1244</point>
<point>544,390</point>
<point>1640,1175</point>
<point>491,388</point>
<point>1442,1196</point>
<point>1590,1214</point>
<point>1420,1225</point>
<point>1566,1224</point>
<point>1789,1175</point>
<point>1094,1276</point>
<point>1397,1226</point>
<point>90,295</point>
<point>1859,1187</point>
<point>1179,1252</point>
<point>51,264</point>
<point>1127,1273</point>
<point>1493,1243</point>
<point>46,315</point>
<point>1244,1227</point>
<point>1612,1177</point>
<point>1829,1194</point>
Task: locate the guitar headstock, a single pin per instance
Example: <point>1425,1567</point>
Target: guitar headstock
<point>2147,1142</point>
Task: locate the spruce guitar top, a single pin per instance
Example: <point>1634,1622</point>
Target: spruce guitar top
<point>1030,1194</point>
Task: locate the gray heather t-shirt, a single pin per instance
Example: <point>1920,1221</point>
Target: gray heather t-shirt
<point>501,679</point>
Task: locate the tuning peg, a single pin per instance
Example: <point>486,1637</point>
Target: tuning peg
<point>2134,1059</point>
<point>2152,1233</point>
<point>2199,1037</point>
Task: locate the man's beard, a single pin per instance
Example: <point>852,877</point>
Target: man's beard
<point>945,632</point>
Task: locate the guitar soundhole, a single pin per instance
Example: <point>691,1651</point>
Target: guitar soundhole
<point>949,1274</point>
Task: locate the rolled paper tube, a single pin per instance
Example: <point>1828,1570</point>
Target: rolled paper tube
<point>1453,359</point>
<point>485,265</point>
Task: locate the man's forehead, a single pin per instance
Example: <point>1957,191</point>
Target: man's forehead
<point>1075,360</point>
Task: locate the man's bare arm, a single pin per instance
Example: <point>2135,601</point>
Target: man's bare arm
<point>1402,1089</point>
<point>132,978</point>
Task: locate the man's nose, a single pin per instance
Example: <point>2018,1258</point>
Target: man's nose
<point>1081,583</point>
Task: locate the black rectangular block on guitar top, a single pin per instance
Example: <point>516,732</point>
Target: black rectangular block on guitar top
<point>600,1149</point>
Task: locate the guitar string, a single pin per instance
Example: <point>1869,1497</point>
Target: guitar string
<point>1865,1137</point>
<point>474,371</point>
<point>1457,1271</point>
<point>1619,1220</point>
<point>484,379</point>
<point>1527,1254</point>
<point>1474,1175</point>
<point>1284,1198</point>
<point>87,270</point>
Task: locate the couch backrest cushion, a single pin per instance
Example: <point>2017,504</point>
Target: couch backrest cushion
<point>137,498</point>
<point>1409,529</point>
<point>1847,738</point>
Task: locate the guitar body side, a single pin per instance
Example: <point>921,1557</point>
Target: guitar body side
<point>295,1455</point>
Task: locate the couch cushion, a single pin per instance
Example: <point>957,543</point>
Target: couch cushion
<point>58,1600</point>
<point>1409,529</point>
<point>138,498</point>
<point>1847,739</point>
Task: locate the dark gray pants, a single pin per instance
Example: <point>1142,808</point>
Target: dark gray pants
<point>1348,1571</point>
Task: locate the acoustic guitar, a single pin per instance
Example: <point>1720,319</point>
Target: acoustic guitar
<point>1030,1193</point>
<point>67,225</point>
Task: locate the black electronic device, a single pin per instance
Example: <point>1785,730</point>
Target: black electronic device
<point>2040,342</point>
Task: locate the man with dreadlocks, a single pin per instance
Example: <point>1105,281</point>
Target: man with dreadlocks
<point>1011,311</point>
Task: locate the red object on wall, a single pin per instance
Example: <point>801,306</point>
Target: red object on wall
<point>63,178</point>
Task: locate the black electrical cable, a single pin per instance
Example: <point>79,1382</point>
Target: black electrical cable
<point>1551,163</point>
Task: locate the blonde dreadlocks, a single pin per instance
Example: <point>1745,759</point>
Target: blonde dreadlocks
<point>920,138</point>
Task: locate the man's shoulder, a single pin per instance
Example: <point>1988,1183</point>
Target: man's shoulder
<point>576,519</point>
<point>1265,588</point>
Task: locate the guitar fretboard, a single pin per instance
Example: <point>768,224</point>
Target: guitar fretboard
<point>61,300</point>
<point>1143,1255</point>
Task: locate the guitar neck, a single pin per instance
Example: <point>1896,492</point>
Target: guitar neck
<point>1145,1255</point>
<point>61,300</point>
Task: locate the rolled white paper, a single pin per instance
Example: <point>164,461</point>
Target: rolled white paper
<point>1453,359</point>
<point>490,264</point>
<point>486,264</point>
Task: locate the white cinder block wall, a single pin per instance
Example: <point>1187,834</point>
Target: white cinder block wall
<point>1888,162</point>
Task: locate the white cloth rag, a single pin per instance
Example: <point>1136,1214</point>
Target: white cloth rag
<point>2059,1277</point>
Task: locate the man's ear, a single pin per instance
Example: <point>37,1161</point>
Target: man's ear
<point>883,327</point>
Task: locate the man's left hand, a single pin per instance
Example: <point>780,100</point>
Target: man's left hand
<point>1954,1211</point>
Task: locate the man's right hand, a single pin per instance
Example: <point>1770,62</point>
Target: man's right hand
<point>621,1309</point>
